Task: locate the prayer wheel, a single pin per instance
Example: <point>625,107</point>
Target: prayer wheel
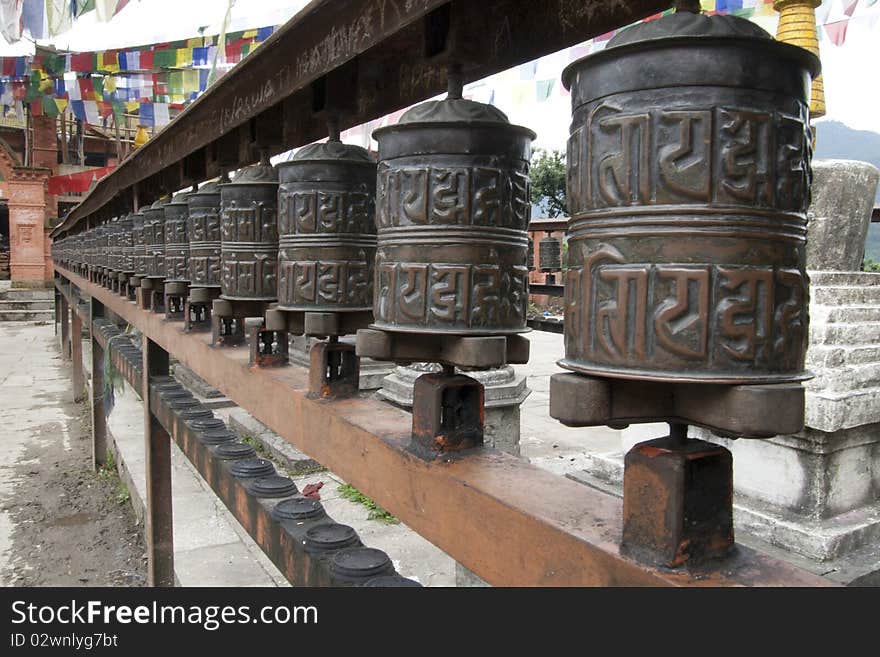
<point>688,186</point>
<point>126,244</point>
<point>176,243</point>
<point>203,236</point>
<point>327,230</point>
<point>139,246</point>
<point>550,254</point>
<point>154,239</point>
<point>452,210</point>
<point>249,235</point>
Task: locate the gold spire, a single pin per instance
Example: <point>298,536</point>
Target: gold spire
<point>797,26</point>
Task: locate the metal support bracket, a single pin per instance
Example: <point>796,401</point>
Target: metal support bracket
<point>677,501</point>
<point>736,411</point>
<point>175,301</point>
<point>461,351</point>
<point>448,413</point>
<point>267,348</point>
<point>334,370</point>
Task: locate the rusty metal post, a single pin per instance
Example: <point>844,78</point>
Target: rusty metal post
<point>96,394</point>
<point>65,328</point>
<point>76,355</point>
<point>159,532</point>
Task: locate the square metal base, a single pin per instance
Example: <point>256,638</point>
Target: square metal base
<point>677,502</point>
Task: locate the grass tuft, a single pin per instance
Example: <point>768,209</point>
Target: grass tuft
<point>352,494</point>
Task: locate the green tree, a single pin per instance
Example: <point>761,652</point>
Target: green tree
<point>871,266</point>
<point>548,181</point>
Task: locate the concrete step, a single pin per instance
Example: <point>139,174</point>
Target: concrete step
<point>832,278</point>
<point>866,313</point>
<point>27,315</point>
<point>846,378</point>
<point>846,333</point>
<point>26,295</point>
<point>828,356</point>
<point>846,295</point>
<point>37,304</point>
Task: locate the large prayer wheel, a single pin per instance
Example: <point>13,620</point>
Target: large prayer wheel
<point>452,210</point>
<point>688,184</point>
<point>154,239</point>
<point>249,235</point>
<point>327,229</point>
<point>176,243</point>
<point>203,235</point>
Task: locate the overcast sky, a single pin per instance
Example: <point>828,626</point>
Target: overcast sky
<point>852,80</point>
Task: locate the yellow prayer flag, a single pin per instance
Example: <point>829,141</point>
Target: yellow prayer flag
<point>61,104</point>
<point>184,57</point>
<point>131,106</point>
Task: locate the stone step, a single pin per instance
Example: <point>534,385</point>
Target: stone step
<point>846,378</point>
<point>830,356</point>
<point>34,304</point>
<point>27,315</point>
<point>867,313</point>
<point>26,295</point>
<point>833,278</point>
<point>846,333</point>
<point>844,295</point>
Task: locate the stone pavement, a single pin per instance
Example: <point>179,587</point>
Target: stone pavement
<point>35,406</point>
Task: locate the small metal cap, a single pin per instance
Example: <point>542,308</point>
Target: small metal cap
<point>181,403</point>
<point>298,508</point>
<point>196,414</point>
<point>252,467</point>
<point>330,536</point>
<point>273,486</point>
<point>392,581</point>
<point>360,562</point>
<point>216,437</point>
<point>235,450</point>
<point>208,424</point>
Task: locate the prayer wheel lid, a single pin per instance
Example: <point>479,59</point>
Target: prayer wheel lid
<point>212,187</point>
<point>333,151</point>
<point>694,29</point>
<point>159,204</point>
<point>258,174</point>
<point>453,110</point>
<point>458,112</point>
<point>687,24</point>
<point>180,198</point>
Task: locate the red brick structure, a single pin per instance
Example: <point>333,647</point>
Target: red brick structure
<point>24,190</point>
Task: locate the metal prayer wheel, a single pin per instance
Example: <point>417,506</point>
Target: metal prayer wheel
<point>111,259</point>
<point>249,235</point>
<point>452,210</point>
<point>154,239</point>
<point>327,230</point>
<point>203,236</point>
<point>139,246</point>
<point>688,187</point>
<point>550,254</point>
<point>126,244</point>
<point>530,258</point>
<point>176,243</point>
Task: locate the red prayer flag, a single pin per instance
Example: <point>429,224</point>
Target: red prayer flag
<point>82,62</point>
<point>146,60</point>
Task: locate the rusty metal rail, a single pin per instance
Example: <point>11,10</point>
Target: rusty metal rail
<point>508,521</point>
